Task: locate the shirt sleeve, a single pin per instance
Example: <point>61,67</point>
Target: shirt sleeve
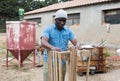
<point>45,32</point>
<point>71,35</point>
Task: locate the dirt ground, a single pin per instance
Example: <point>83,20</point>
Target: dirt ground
<point>30,73</point>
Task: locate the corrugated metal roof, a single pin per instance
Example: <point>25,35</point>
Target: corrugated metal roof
<point>67,4</point>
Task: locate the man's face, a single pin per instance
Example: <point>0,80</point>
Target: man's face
<point>60,22</point>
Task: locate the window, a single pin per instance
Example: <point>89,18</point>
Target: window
<point>112,16</point>
<point>38,20</point>
<point>73,19</point>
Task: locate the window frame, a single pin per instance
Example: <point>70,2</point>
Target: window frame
<point>110,15</point>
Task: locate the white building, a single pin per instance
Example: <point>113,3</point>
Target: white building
<point>91,20</point>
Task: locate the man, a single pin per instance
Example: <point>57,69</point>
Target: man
<point>56,37</point>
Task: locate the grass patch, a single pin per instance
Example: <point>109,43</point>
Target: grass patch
<point>2,52</point>
<point>16,67</point>
<point>3,45</point>
<point>107,54</point>
<point>25,69</point>
<point>10,55</point>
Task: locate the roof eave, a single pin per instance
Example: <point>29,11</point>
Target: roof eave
<point>37,12</point>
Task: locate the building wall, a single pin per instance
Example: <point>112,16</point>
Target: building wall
<point>91,29</point>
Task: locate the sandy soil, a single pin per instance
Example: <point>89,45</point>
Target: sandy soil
<point>29,73</point>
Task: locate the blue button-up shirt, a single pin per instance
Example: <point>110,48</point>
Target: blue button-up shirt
<point>57,38</point>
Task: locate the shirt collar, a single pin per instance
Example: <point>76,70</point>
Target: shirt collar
<point>56,27</point>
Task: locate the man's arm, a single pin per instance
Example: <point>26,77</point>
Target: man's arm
<point>44,42</point>
<point>47,45</point>
<point>75,43</point>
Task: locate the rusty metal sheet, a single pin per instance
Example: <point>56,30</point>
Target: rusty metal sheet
<point>27,35</point>
<point>13,34</point>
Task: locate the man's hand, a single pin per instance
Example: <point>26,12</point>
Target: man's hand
<point>56,49</point>
<point>78,46</point>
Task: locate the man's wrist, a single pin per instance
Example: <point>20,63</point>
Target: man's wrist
<point>51,48</point>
